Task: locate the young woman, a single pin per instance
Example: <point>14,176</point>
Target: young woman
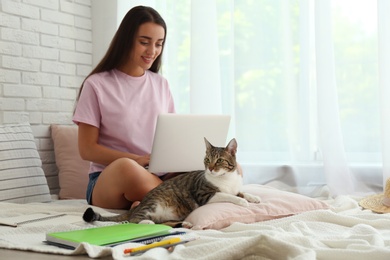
<point>117,110</point>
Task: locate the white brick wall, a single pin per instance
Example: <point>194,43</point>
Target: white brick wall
<point>45,53</point>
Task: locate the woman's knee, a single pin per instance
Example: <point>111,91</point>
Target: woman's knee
<point>125,164</point>
<point>125,178</point>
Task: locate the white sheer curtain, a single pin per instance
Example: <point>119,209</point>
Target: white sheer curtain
<point>337,173</point>
<point>205,84</point>
<point>384,81</point>
<point>305,81</point>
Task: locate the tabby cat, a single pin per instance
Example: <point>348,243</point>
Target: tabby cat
<point>174,199</point>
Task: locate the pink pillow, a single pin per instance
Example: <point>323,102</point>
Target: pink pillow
<point>274,204</point>
<point>73,171</point>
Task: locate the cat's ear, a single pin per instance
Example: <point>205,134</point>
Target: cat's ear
<point>232,147</point>
<point>208,145</point>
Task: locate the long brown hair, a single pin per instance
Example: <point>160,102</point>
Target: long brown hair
<point>123,41</point>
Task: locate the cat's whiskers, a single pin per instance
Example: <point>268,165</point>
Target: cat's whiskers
<point>215,173</point>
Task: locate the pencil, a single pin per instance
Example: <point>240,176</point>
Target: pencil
<point>153,245</point>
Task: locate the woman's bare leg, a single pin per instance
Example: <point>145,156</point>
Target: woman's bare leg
<point>121,183</point>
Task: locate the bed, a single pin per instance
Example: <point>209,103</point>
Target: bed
<point>285,225</point>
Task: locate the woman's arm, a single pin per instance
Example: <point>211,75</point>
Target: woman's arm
<point>91,151</point>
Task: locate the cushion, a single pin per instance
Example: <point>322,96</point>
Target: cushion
<point>274,204</point>
<point>72,170</point>
<point>22,179</point>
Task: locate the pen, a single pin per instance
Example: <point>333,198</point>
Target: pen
<point>153,245</point>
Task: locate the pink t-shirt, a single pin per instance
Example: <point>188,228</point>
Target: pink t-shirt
<point>124,108</point>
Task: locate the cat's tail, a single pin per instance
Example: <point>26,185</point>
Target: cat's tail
<point>90,215</point>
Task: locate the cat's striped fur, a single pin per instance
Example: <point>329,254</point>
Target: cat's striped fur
<point>174,199</point>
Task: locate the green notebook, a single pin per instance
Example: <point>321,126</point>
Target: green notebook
<point>107,235</point>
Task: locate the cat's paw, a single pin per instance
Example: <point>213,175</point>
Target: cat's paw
<point>187,224</point>
<point>251,198</point>
<point>146,221</point>
<point>241,202</point>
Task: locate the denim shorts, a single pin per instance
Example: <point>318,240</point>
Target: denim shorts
<point>91,184</point>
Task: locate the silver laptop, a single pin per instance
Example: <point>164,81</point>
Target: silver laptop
<point>179,145</point>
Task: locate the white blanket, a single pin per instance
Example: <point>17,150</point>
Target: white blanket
<point>343,232</point>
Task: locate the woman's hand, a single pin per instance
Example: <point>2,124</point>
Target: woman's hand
<point>143,160</point>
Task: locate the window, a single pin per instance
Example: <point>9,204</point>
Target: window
<point>267,74</point>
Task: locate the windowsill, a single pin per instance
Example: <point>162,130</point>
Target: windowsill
<point>307,175</point>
